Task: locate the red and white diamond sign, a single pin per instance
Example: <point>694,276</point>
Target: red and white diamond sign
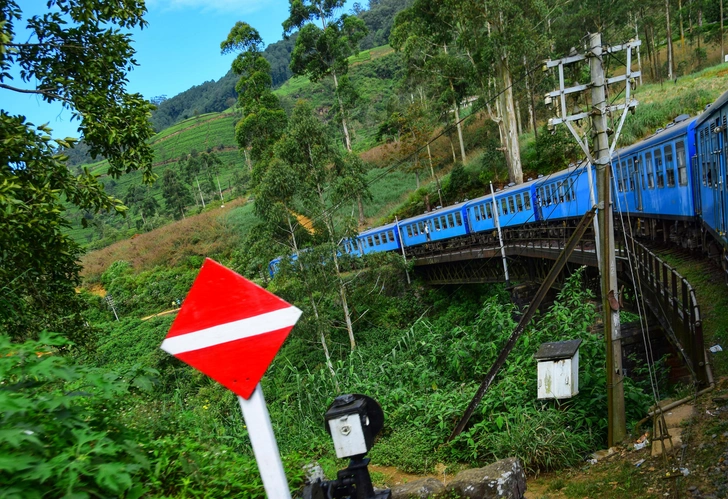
<point>230,328</point>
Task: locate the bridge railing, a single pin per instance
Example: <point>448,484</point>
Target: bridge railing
<point>673,300</point>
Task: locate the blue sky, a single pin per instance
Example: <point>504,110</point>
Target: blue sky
<point>179,48</point>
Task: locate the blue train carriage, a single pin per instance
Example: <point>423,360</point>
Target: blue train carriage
<point>709,168</point>
<point>652,176</point>
<point>513,204</point>
<point>383,238</point>
<point>564,194</point>
<point>437,225</point>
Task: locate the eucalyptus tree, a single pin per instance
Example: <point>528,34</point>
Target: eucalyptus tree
<point>323,50</point>
<point>324,179</point>
<point>275,205</point>
<point>492,36</point>
<point>140,200</point>
<point>429,60</point>
<point>175,193</point>
<point>263,118</point>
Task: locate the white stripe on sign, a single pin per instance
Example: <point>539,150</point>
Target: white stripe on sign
<point>215,335</point>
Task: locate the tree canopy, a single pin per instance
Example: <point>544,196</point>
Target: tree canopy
<point>78,55</point>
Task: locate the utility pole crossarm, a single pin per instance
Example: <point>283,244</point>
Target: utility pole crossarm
<point>566,60</point>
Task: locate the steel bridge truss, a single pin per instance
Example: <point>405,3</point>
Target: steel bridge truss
<point>531,253</point>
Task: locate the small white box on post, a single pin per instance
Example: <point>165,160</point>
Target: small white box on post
<point>558,369</point>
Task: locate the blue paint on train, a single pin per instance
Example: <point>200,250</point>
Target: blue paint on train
<point>679,173</point>
<point>437,225</point>
<point>652,176</point>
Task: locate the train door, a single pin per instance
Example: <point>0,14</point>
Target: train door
<point>635,181</point>
<point>720,160</point>
<point>716,175</point>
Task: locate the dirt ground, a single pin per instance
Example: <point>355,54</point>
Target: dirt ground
<point>696,468</point>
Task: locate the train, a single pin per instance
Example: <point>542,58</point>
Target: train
<point>671,184</point>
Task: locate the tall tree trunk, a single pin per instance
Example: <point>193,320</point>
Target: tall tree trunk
<point>452,148</point>
<point>417,178</point>
<point>531,100</point>
<point>519,126</point>
<point>682,29</point>
<point>458,124</point>
<point>344,125</point>
<point>200,190</point>
<point>513,152</point>
<point>347,139</point>
<point>314,307</point>
<point>334,253</point>
<point>670,54</point>
<point>722,49</point>
<point>247,161</point>
<point>658,69</point>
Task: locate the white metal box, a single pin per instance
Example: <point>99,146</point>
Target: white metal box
<point>558,369</point>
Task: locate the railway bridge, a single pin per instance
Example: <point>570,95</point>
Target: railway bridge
<point>530,253</point>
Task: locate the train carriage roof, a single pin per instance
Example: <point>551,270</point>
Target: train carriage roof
<point>436,212</point>
<point>376,230</point>
<point>708,113</point>
<point>663,135</point>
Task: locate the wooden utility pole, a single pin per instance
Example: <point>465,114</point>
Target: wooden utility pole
<point>607,267</point>
<point>599,155</point>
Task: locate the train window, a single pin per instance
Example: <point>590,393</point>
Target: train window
<point>714,168</point>
<point>458,219</point>
<point>450,220</point>
<point>421,227</point>
<point>519,202</point>
<point>618,174</point>
<point>376,240</point>
<point>437,223</point>
<point>650,171</point>
<point>625,176</point>
<point>485,209</point>
<point>527,200</point>
<point>409,231</point>
<point>488,210</point>
<point>554,194</point>
<point>567,190</point>
<point>546,196</point>
<point>476,212</point>
<point>561,192</point>
<point>443,222</point>
<point>658,169</point>
<point>391,236</point>
<point>634,175</point>
<point>511,204</point>
<point>682,170</point>
<point>504,206</point>
<point>370,241</point>
<point>669,166</point>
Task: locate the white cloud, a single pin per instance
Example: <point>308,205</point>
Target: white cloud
<point>214,6</point>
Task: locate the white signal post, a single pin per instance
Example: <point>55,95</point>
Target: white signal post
<point>230,329</point>
<point>500,236</point>
<point>265,447</point>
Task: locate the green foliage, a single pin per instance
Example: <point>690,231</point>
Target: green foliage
<point>263,118</point>
<point>60,430</point>
<point>150,291</point>
<point>76,54</point>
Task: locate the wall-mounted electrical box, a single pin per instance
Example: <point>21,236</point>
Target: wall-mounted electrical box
<point>558,369</point>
